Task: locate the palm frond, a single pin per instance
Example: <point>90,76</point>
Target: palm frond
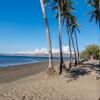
<point>95,13</point>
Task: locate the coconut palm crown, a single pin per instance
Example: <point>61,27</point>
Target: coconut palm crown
<point>95,13</point>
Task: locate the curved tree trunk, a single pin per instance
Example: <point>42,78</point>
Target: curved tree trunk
<point>70,49</point>
<point>50,66</point>
<point>77,45</point>
<point>60,45</point>
<point>73,48</point>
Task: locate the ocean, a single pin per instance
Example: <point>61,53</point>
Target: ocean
<point>6,61</point>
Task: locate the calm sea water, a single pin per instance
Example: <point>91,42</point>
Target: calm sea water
<point>6,61</point>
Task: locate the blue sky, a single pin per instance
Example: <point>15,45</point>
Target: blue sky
<point>22,27</point>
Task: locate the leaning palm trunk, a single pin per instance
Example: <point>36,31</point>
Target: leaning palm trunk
<point>73,48</point>
<point>50,66</point>
<point>76,44</point>
<point>70,49</point>
<point>60,45</point>
<point>99,43</point>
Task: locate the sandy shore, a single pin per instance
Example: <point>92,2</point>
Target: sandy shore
<point>79,84</point>
<point>19,71</point>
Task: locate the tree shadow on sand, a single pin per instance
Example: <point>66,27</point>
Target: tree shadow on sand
<point>76,73</point>
<point>95,67</point>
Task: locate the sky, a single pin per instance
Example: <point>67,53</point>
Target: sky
<point>22,26</point>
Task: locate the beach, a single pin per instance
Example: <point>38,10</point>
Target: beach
<point>30,82</point>
<point>16,72</point>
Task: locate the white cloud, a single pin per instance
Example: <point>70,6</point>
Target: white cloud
<point>54,50</point>
<point>45,50</point>
<point>42,50</point>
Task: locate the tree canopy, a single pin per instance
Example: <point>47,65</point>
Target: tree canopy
<point>91,51</point>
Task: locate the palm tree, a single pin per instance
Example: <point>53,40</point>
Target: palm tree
<point>72,39</point>
<point>95,13</point>
<point>75,35</point>
<point>61,6</point>
<point>65,8</point>
<point>56,5</point>
<point>50,66</point>
<point>62,65</point>
<point>73,31</point>
<point>70,48</point>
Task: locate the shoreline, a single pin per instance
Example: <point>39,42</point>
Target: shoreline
<point>29,82</point>
<point>11,65</point>
<point>13,73</point>
<point>16,72</point>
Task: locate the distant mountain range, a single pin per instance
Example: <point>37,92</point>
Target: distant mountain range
<point>40,54</point>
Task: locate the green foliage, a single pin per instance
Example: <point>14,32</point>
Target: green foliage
<point>91,51</point>
<point>95,13</point>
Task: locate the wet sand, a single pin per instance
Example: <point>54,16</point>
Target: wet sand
<point>16,72</point>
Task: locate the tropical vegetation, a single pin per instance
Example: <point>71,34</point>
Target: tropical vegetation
<point>91,52</point>
<point>64,14</point>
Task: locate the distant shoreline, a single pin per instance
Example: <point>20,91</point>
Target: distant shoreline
<point>18,64</point>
